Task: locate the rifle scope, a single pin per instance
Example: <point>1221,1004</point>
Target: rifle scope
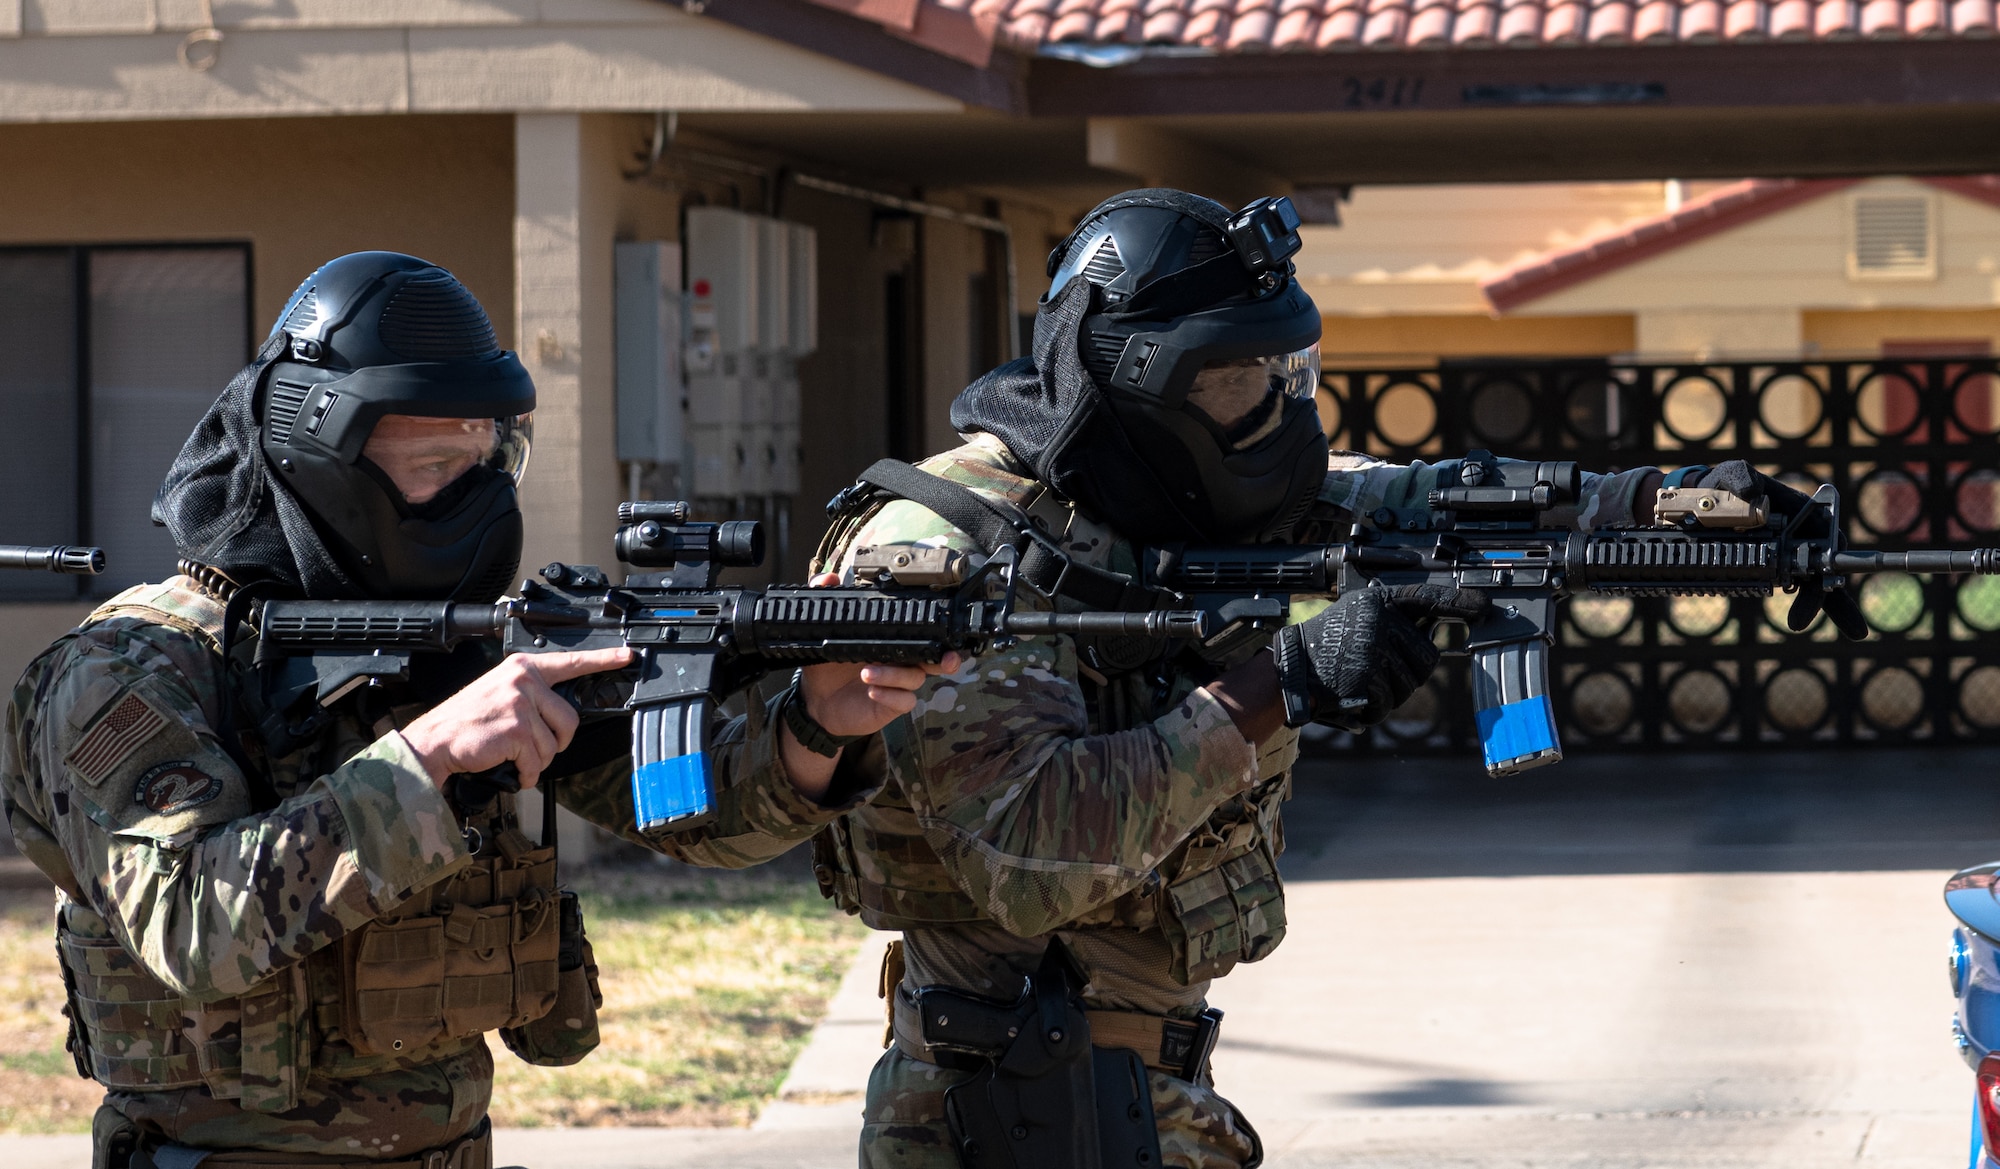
<point>656,534</point>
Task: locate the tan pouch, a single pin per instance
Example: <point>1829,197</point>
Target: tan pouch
<point>567,1030</point>
<point>395,1001</point>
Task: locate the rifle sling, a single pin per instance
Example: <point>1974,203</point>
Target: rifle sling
<point>994,525</point>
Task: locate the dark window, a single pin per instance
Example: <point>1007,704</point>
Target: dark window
<point>108,357</point>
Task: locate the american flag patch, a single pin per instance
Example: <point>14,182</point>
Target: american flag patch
<point>129,724</point>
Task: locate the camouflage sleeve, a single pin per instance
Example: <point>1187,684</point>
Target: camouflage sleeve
<point>1037,819</point>
<point>759,814</point>
<point>1358,484</point>
<point>154,819</point>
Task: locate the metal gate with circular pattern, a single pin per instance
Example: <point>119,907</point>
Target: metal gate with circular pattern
<point>1913,445</point>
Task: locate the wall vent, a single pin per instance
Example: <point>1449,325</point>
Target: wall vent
<point>1893,237</point>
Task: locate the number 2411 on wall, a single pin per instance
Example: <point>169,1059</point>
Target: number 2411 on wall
<point>1361,93</point>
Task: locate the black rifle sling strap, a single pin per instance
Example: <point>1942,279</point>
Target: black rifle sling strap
<point>994,525</point>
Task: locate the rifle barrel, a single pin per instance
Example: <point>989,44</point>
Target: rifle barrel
<point>1160,623</point>
<point>53,558</point>
<point>1985,561</point>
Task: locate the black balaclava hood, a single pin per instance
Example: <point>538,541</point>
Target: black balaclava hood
<point>225,508</point>
<point>1157,471</point>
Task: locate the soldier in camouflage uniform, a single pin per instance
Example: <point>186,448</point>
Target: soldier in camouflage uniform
<point>283,944</point>
<point>1100,795</point>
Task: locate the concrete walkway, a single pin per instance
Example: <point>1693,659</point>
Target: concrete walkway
<point>1714,961</point>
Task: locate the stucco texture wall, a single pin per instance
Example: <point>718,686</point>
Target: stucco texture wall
<point>1420,338</point>
<point>299,191</point>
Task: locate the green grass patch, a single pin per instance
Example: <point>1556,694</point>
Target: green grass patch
<point>712,983</point>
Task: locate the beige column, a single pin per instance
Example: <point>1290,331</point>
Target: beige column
<point>565,188</point>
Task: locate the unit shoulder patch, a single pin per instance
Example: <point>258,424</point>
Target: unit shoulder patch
<point>175,786</point>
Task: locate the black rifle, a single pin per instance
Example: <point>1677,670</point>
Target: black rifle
<point>696,642</point>
<point>1491,530</point>
<point>53,558</point>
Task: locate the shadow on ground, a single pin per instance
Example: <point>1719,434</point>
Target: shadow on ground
<point>1809,811</point>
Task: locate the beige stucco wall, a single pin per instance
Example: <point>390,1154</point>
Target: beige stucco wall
<point>1796,259</point>
<point>1422,250</point>
<point>574,203</point>
<point>91,60</point>
<point>299,190</point>
<point>1417,337</point>
<point>1864,332</point>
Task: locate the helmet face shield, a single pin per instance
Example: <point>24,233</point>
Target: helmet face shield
<point>424,455</point>
<point>401,427</point>
<point>1296,374</point>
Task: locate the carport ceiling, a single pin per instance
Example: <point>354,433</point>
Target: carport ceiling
<point>1518,145</point>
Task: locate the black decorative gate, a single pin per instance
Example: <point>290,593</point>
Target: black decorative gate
<point>1913,446</point>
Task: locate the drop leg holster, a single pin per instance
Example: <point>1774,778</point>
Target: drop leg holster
<point>1041,1097</point>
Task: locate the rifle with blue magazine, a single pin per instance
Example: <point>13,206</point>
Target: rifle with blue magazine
<point>695,641</point>
<point>1490,528</point>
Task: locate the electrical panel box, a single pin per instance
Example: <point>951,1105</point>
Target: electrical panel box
<point>652,397</point>
<point>722,273</point>
<point>803,275</point>
<point>752,311</point>
<point>774,294</point>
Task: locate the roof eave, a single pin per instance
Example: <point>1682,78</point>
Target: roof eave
<point>948,67</point>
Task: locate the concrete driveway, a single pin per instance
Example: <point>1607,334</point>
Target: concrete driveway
<point>1665,960</point>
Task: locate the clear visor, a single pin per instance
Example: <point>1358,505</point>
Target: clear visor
<point>423,456</point>
<point>1232,390</point>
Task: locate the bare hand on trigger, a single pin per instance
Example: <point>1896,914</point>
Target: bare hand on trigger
<point>510,714</point>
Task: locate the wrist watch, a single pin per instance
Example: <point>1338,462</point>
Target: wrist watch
<point>806,729</point>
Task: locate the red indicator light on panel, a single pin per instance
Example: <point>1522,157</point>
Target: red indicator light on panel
<point>701,288</point>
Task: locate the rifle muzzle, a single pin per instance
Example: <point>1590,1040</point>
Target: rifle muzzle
<point>53,558</point>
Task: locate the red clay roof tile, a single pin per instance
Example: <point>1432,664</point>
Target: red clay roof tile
<point>1248,26</point>
<point>1882,18</point>
<point>966,28</point>
<point>1743,20</point>
<point>1972,17</point>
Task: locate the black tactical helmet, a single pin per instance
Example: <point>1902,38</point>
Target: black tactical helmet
<point>377,335</point>
<point>1179,286</point>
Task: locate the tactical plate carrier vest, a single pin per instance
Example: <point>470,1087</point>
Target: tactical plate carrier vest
<point>473,953</point>
<point>1216,898</point>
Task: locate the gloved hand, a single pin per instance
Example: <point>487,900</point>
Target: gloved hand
<point>1363,655</point>
<point>1744,481</point>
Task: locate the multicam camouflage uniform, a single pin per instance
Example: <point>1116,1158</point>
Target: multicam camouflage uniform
<point>1030,796</point>
<point>313,976</point>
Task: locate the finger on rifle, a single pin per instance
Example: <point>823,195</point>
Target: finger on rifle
<point>535,753</point>
<point>1426,601</point>
<point>891,698</point>
<point>554,713</point>
<point>950,663</point>
<point>1845,614</point>
<point>561,667</point>
<point>823,580</point>
<point>1805,607</point>
<point>893,677</point>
